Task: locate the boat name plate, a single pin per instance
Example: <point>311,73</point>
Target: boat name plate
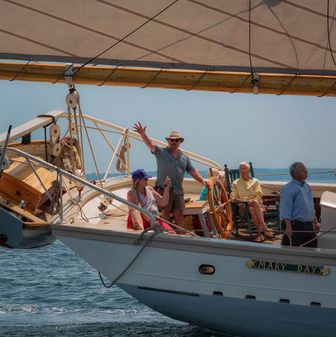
<point>283,266</point>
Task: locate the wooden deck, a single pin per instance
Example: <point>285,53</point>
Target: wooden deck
<point>115,219</point>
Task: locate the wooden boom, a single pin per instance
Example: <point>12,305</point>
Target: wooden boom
<point>234,82</point>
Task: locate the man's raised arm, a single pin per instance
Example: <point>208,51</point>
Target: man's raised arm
<point>141,130</point>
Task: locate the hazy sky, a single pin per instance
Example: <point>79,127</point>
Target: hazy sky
<point>270,131</point>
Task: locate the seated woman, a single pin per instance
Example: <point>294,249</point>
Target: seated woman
<point>248,189</point>
<point>147,198</point>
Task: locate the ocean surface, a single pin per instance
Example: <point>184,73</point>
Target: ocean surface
<point>50,292</point>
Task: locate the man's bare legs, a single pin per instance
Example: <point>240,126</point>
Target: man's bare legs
<point>178,217</point>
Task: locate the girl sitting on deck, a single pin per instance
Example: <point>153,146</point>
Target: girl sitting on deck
<point>146,197</point>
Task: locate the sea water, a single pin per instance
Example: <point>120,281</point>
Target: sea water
<point>50,292</point>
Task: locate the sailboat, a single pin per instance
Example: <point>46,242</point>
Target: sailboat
<point>213,280</point>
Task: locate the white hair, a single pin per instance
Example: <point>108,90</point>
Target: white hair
<point>244,164</point>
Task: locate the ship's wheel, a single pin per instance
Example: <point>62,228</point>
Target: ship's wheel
<point>220,208</point>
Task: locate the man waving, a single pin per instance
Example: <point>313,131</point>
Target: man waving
<point>171,162</point>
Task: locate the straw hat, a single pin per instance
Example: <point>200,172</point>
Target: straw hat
<point>217,173</point>
<point>175,135</point>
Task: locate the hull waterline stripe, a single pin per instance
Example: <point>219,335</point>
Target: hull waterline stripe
<point>185,293</point>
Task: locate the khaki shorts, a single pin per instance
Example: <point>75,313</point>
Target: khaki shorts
<point>175,203</point>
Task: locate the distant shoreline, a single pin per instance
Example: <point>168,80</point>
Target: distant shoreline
<point>280,174</point>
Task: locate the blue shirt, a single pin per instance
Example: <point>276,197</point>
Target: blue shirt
<point>296,202</point>
<point>173,167</point>
<point>204,193</point>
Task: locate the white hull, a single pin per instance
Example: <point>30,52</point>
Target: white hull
<point>166,277</point>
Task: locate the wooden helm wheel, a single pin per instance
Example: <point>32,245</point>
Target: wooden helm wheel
<point>220,208</point>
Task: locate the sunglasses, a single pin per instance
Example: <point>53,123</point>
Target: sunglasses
<point>174,140</point>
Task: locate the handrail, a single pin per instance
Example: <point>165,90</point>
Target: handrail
<point>135,135</point>
<point>32,125</point>
<point>39,122</point>
<point>86,183</point>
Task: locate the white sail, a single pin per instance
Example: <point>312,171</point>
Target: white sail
<point>201,39</point>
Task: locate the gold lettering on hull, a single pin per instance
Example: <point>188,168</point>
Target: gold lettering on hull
<point>281,266</point>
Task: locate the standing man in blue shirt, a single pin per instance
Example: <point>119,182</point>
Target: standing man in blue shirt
<point>171,162</point>
<point>297,210</point>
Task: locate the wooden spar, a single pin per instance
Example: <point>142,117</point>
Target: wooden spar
<point>286,84</point>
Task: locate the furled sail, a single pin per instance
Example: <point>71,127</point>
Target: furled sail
<point>271,46</point>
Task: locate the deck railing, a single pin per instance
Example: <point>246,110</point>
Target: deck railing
<point>62,173</point>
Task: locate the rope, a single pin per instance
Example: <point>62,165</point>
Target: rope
<point>146,244</point>
<point>81,144</point>
<point>286,173</point>
<point>72,159</point>
<point>207,70</point>
<point>121,165</point>
<point>21,70</point>
<point>90,145</point>
<point>75,202</point>
<point>250,35</point>
<point>110,75</point>
<point>326,46</point>
<point>103,129</point>
<point>241,84</point>
<point>154,77</point>
<point>288,84</point>
<point>103,135</point>
<point>317,236</point>
<point>133,260</point>
<point>330,50</point>
<point>328,31</point>
<point>294,49</point>
<point>83,215</point>
<point>228,16</point>
<point>327,90</point>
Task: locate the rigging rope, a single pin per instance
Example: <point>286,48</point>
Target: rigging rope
<point>249,38</point>
<point>328,33</point>
<point>75,202</point>
<point>122,165</point>
<point>133,260</point>
<point>21,70</point>
<point>287,173</point>
<point>89,142</point>
<point>228,16</point>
